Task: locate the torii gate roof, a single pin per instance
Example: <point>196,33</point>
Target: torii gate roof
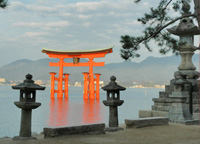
<point>77,52</point>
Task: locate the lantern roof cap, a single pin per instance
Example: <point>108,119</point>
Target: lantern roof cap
<point>185,27</point>
<point>28,84</point>
<point>113,86</point>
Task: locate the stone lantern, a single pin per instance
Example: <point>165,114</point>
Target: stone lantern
<point>186,31</point>
<point>113,101</point>
<point>27,102</point>
<point>180,100</point>
<point>186,76</point>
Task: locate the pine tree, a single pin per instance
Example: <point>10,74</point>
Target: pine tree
<point>156,22</point>
<point>3,3</point>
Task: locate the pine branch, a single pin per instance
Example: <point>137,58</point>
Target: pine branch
<point>3,4</point>
<point>171,22</point>
<point>197,10</point>
<point>157,20</point>
<point>163,27</point>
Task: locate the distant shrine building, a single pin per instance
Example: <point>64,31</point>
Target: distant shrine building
<point>89,91</point>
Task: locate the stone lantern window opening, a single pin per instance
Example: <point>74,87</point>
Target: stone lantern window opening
<point>22,96</point>
<point>188,39</point>
<point>116,95</point>
<point>27,96</point>
<point>113,95</point>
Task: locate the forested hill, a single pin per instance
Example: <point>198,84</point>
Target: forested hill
<point>151,69</point>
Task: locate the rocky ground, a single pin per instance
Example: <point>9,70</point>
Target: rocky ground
<point>171,134</point>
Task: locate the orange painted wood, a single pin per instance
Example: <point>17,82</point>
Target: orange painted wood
<point>89,85</point>
<point>52,90</point>
<point>56,91</point>
<point>66,84</point>
<point>97,85</point>
<point>85,87</point>
<point>77,65</point>
<point>91,80</point>
<point>60,81</point>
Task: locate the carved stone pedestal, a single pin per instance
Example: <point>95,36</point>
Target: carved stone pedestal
<point>179,111</point>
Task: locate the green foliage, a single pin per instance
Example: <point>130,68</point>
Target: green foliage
<point>137,1</point>
<point>177,5</point>
<point>3,3</point>
<point>155,22</point>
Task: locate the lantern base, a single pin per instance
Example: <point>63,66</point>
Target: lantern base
<point>113,103</point>
<point>113,129</point>
<point>23,138</point>
<point>188,122</point>
<point>27,105</point>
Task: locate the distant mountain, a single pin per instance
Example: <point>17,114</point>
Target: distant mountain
<point>151,69</point>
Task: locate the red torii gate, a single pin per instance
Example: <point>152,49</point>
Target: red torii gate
<point>89,80</point>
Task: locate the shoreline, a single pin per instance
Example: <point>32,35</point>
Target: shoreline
<point>172,133</point>
<point>100,87</point>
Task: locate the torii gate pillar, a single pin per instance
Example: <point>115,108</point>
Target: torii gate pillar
<point>52,91</point>
<point>66,79</point>
<point>91,79</point>
<point>60,79</point>
<point>85,87</point>
<point>97,85</point>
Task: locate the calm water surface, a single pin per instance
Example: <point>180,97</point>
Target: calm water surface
<point>74,111</point>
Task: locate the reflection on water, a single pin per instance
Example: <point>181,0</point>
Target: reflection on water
<point>64,112</point>
<point>58,112</point>
<point>70,112</point>
<point>91,111</point>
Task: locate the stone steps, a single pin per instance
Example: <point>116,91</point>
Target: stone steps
<point>163,94</point>
<point>145,122</point>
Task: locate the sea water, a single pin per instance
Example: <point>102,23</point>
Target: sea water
<point>74,111</point>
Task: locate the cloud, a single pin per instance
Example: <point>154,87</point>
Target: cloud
<point>81,16</point>
<point>134,23</point>
<point>28,24</point>
<point>35,34</point>
<point>57,24</point>
<point>100,20</point>
<point>80,24</point>
<point>16,5</point>
<point>41,9</point>
<point>19,6</point>
<point>87,24</point>
<point>68,35</point>
<point>42,25</point>
<point>65,14</point>
<point>85,6</point>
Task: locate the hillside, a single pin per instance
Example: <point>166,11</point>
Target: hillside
<point>151,69</point>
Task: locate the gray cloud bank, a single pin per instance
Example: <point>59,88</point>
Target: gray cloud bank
<point>29,26</point>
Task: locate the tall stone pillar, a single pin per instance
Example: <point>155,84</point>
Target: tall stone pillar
<point>180,100</point>
<point>186,76</point>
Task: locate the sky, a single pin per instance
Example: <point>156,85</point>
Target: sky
<point>28,26</point>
